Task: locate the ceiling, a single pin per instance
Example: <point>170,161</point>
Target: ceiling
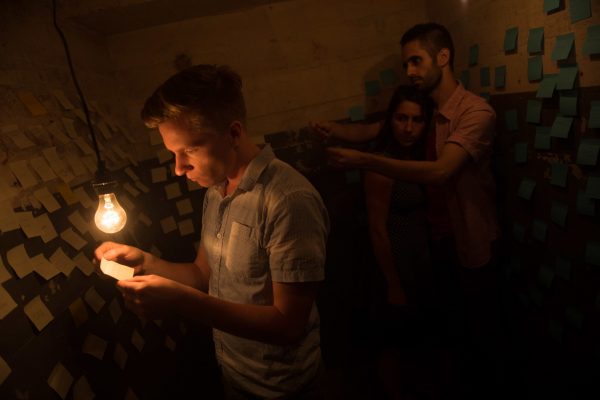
<point>109,17</point>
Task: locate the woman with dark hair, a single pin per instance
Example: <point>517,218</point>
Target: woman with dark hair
<point>398,230</point>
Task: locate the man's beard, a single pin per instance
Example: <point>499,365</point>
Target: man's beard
<point>429,86</point>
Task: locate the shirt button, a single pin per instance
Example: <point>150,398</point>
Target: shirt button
<point>219,235</point>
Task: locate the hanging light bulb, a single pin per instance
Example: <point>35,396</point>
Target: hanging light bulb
<point>110,216</point>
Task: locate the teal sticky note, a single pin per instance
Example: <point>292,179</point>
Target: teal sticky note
<point>539,230</point>
<point>560,172</point>
<point>585,205</point>
<point>547,86</point>
<point>579,9</point>
<point>592,253</point>
<point>510,39</point>
<point>484,76</point>
<point>473,54</point>
<point>465,78</point>
<point>545,276</point>
<point>356,113</point>
<point>535,41</point>
<point>563,46</point>
<point>587,153</point>
<point>520,152</point>
<point>352,176</point>
<point>372,88</point>
<point>551,5</point>
<point>561,127</point>
<point>526,188</point>
<point>563,268</point>
<point>594,120</point>
<point>534,111</point>
<point>510,118</point>
<point>542,140</point>
<point>592,189</point>
<point>567,77</point>
<point>591,44</point>
<point>574,317</point>
<point>558,213</point>
<point>535,69</point>
<point>519,232</point>
<point>500,77</point>
<point>388,77</point>
<point>568,105</point>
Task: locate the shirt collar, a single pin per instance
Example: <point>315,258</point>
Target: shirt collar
<point>256,168</point>
<point>450,108</point>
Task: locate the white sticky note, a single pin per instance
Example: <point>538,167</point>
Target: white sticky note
<point>19,261</point>
<point>32,103</point>
<point>28,224</point>
<point>59,167</point>
<point>4,274</point>
<point>60,380</point>
<point>90,163</point>
<point>46,227</point>
<point>133,191</point>
<point>44,267</point>
<point>186,227</point>
<point>8,219</point>
<point>118,271</point>
<point>168,225</point>
<point>84,198</point>
<point>76,165</point>
<point>62,99</point>
<point>172,190</point>
<point>131,174</point>
<point>4,370</point>
<point>143,218</point>
<point>71,237</point>
<point>119,152</point>
<point>21,140</point>
<point>62,262</point>
<point>78,222</point>
<point>114,308</point>
<point>137,340</point>
<point>184,207</point>
<point>41,167</point>
<point>84,146</point>
<point>7,304</point>
<point>94,300</point>
<point>21,170</point>
<point>80,114</point>
<point>38,313</point>
<point>94,346</point>
<point>163,156</point>
<point>159,174</point>
<point>49,202</point>
<point>57,132</point>
<point>84,264</point>
<point>70,127</point>
<point>82,390</point>
<point>78,312</point>
<point>103,128</point>
<point>120,356</point>
<point>142,187</point>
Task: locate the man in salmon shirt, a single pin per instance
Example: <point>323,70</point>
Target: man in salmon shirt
<point>459,182</point>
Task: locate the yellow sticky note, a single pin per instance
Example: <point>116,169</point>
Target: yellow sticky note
<point>38,313</point>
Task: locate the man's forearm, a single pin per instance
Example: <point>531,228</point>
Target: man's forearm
<point>420,172</point>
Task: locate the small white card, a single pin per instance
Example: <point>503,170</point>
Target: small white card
<point>116,270</point>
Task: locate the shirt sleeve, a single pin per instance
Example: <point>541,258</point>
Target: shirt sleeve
<point>295,237</point>
<point>474,132</point>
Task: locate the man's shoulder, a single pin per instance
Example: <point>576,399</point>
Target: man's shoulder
<point>281,180</point>
<point>473,103</point>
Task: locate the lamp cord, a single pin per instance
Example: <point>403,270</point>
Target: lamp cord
<point>79,91</point>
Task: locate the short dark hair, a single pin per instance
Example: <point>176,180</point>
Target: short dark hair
<point>433,37</point>
<point>386,141</point>
<point>198,95</point>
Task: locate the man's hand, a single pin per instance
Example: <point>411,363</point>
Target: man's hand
<point>323,129</point>
<point>151,296</point>
<point>123,254</point>
<point>346,158</point>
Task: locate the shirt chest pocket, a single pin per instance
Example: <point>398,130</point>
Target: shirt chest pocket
<point>244,256</point>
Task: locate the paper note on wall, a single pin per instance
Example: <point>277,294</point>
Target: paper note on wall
<point>116,270</point>
<point>60,380</point>
<point>7,304</point>
<point>38,313</point>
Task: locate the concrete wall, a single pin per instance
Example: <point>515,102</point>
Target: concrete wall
<point>485,22</point>
<point>299,59</point>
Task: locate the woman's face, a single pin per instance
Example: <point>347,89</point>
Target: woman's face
<point>408,123</point>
